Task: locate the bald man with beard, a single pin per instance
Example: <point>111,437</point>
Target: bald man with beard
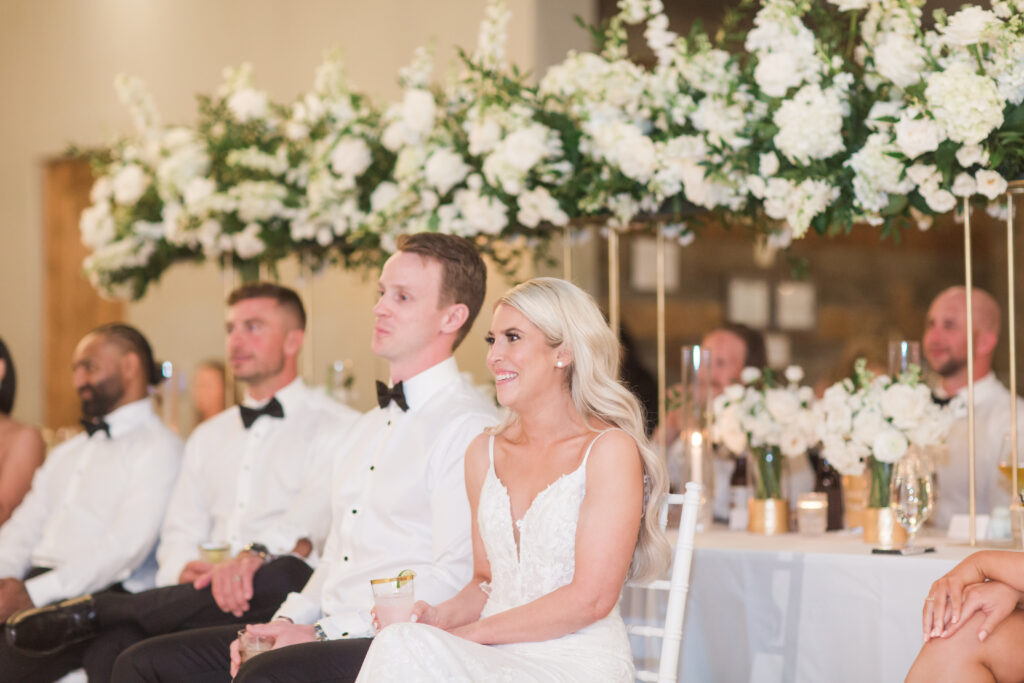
<point>945,349</point>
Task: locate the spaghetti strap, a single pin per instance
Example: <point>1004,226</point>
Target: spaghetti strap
<point>587,454</point>
<point>490,450</point>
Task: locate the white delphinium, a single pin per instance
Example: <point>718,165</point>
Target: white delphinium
<point>133,94</point>
<point>350,157</point>
<point>966,105</point>
<point>490,49</point>
<point>661,41</point>
<point>811,124</point>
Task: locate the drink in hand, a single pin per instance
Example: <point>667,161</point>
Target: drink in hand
<point>394,598</point>
<point>250,645</point>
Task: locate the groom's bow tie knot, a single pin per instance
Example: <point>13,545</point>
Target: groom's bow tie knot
<point>386,395</point>
<point>271,409</point>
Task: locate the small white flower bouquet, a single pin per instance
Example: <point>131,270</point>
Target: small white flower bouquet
<point>767,419</point>
<point>869,419</point>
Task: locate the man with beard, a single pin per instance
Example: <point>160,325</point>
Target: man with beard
<point>93,514</point>
<point>945,349</point>
<point>250,479</point>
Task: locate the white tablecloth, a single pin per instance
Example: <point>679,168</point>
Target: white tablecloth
<point>802,608</point>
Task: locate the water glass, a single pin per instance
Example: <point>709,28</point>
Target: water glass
<point>912,492</point>
<point>902,354</point>
<point>214,552</point>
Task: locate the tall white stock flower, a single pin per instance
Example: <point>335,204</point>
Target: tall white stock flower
<point>538,205</point>
<point>445,169</point>
<point>810,124</point>
<point>133,94</point>
<point>418,111</point>
<point>965,104</point>
<point>129,184</point>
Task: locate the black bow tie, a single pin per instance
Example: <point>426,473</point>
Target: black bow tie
<point>250,415</point>
<point>395,393</point>
<point>97,425</point>
<point>939,401</point>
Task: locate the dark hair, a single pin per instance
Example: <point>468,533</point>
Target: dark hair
<point>463,273</point>
<point>286,298</point>
<point>130,340</point>
<point>10,381</point>
<point>757,356</point>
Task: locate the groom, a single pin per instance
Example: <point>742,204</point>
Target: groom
<point>399,493</point>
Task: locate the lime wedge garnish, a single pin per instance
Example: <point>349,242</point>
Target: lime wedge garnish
<point>404,577</point>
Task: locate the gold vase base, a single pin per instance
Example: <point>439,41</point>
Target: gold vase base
<point>768,516</point>
<point>882,530</point>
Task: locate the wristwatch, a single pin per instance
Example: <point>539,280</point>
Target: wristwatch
<point>319,632</point>
<point>260,550</point>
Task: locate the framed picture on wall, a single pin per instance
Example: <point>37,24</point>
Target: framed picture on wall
<point>795,306</point>
<point>748,301</point>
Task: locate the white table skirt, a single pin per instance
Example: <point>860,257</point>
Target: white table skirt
<point>802,608</point>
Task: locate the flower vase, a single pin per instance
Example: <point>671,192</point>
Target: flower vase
<point>880,526</point>
<point>768,510</point>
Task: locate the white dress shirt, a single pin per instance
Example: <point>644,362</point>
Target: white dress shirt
<point>399,503</point>
<point>991,426</point>
<point>239,485</point>
<point>94,510</point>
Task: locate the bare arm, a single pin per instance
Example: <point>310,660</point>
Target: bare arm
<point>605,539</point>
<point>945,599</point>
<point>466,606</point>
<point>24,456</point>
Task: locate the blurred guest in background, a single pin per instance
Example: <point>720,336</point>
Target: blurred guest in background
<point>93,514</point>
<point>21,446</point>
<point>209,385</point>
<point>945,349</point>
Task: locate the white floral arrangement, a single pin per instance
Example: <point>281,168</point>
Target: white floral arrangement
<point>876,419</point>
<point>764,418</point>
<point>822,115</point>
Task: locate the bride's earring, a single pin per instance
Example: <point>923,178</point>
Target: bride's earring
<point>558,364</point>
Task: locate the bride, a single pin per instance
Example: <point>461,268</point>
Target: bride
<point>564,496</point>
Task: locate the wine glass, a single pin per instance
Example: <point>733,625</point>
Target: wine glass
<point>912,492</point>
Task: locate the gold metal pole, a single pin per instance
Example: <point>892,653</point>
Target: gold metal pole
<point>567,253</point>
<point>613,280</point>
<point>969,286</point>
<point>310,360</point>
<point>1011,304</point>
<point>227,275</point>
<point>662,370</point>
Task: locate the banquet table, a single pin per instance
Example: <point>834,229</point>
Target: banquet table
<point>800,608</point>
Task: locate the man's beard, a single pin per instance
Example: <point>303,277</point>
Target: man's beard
<point>105,395</point>
<point>951,367</point>
<point>261,374</point>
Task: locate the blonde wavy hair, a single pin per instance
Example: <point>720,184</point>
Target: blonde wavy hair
<point>568,315</point>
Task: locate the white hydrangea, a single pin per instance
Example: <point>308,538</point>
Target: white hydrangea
<point>900,59</point>
<point>916,136</point>
<point>350,157</point>
<point>97,225</point>
<point>721,119</point>
<point>479,213</point>
<point>247,243</point>
<point>798,204</point>
<point>538,205</point>
<point>444,170</point>
<point>966,105</point>
<point>129,184</point>
<point>877,173</point>
<point>968,26</point>
<point>258,200</point>
<point>810,124</point>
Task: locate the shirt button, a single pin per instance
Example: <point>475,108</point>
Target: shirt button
<point>371,468</point>
<point>354,511</point>
<point>345,558</point>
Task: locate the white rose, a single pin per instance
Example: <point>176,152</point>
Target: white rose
<point>794,373</point>
<point>768,164</point>
<point>97,226</point>
<point>734,392</point>
<point>968,155</point>
<point>777,72</point>
<point>990,183</point>
<point>483,136</point>
<point>866,426</point>
<point>749,375</point>
<point>350,157</point>
<point>964,185</point>
<point>914,137</point>
<point>444,170</point>
<point>247,243</point>
<point>889,445</point>
<point>782,405</point>
<point>924,174</point>
<point>129,184</point>
<point>900,59</point>
<point>903,405</point>
<point>793,441</point>
<point>939,201</point>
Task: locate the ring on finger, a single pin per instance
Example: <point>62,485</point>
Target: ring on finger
<point>236,578</point>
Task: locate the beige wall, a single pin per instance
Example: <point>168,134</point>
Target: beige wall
<point>58,59</point>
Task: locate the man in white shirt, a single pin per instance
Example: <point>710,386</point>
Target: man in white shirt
<point>945,349</point>
<point>92,517</point>
<point>250,479</point>
<point>399,490</point>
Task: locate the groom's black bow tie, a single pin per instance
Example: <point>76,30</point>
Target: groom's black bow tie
<point>395,393</point>
<point>940,401</point>
<point>271,409</point>
<point>97,425</point>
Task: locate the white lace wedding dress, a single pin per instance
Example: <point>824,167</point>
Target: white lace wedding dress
<point>544,562</point>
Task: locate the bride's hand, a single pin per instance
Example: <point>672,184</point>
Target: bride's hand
<point>424,613</point>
